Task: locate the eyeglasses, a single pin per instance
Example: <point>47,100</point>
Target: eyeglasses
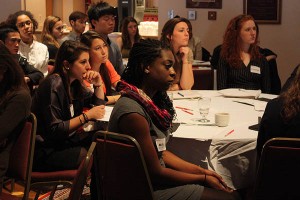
<point>14,40</point>
<point>22,24</point>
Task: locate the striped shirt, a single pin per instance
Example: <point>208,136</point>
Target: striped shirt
<point>254,76</point>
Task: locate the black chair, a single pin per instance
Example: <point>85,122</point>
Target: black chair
<point>278,170</point>
<point>120,168</point>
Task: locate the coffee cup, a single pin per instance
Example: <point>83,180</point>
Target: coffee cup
<point>222,119</point>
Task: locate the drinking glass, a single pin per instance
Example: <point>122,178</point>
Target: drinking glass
<point>203,106</point>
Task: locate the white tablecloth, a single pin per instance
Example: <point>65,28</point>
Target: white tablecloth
<point>233,156</point>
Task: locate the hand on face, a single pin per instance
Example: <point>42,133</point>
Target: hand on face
<point>93,77</point>
<point>184,53</point>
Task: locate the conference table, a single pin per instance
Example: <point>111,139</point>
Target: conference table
<point>230,150</point>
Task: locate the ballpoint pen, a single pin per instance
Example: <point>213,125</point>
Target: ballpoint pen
<point>180,94</point>
<point>229,132</point>
<point>183,108</point>
<point>187,112</point>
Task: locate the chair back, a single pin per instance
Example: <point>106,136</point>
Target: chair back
<point>82,174</point>
<point>278,170</point>
<point>203,79</point>
<point>21,156</point>
<point>120,168</point>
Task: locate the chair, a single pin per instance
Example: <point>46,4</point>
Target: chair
<point>203,79</point>
<point>120,168</point>
<point>76,179</point>
<point>21,155</point>
<point>278,170</point>
<point>20,167</point>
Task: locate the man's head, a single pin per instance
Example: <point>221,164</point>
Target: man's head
<point>78,21</point>
<point>10,36</point>
<point>102,17</point>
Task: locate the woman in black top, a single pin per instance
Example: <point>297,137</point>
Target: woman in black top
<point>241,65</point>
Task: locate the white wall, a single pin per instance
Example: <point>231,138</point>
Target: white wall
<point>282,38</point>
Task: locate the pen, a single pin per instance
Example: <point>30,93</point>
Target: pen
<point>183,108</point>
<point>180,94</point>
<point>229,132</point>
<point>188,112</point>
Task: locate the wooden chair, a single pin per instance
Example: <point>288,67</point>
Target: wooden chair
<point>203,79</point>
<point>76,179</point>
<point>120,168</point>
<point>278,170</point>
<point>20,167</point>
<point>21,156</point>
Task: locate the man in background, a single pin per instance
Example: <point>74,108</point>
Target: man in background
<point>77,21</point>
<point>102,19</point>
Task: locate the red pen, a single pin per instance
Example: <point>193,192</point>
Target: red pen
<point>229,132</point>
<point>183,108</point>
<point>188,112</point>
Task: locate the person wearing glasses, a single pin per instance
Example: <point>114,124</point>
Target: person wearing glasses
<point>51,34</point>
<point>35,52</point>
<point>10,36</point>
<point>102,18</point>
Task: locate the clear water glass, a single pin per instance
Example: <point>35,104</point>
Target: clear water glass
<point>203,106</point>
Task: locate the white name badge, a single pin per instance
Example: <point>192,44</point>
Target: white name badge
<point>254,69</point>
<point>72,110</point>
<point>161,144</point>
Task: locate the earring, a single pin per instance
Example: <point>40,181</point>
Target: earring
<point>146,71</point>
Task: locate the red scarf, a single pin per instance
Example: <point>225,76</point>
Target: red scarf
<point>160,117</point>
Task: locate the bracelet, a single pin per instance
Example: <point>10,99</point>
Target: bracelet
<point>97,86</point>
<point>80,120</point>
<point>86,119</point>
<point>204,178</point>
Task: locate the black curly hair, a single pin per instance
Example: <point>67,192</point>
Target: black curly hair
<point>143,54</point>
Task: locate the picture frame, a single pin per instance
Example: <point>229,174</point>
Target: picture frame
<point>215,4</point>
<point>263,11</point>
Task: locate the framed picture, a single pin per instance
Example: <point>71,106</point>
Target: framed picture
<point>264,11</point>
<point>204,4</point>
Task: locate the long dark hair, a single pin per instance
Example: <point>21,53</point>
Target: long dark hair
<point>125,35</point>
<point>69,51</point>
<point>291,99</point>
<point>13,76</point>
<point>143,54</point>
<point>87,39</point>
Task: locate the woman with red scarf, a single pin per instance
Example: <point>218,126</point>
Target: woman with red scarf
<point>145,104</point>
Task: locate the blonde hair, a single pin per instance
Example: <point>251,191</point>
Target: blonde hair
<point>47,37</point>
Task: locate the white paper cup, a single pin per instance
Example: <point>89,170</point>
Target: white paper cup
<point>222,119</point>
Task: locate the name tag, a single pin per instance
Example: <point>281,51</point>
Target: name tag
<point>254,69</point>
<point>161,144</point>
<point>72,110</point>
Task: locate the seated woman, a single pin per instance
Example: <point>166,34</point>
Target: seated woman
<point>58,104</point>
<point>35,52</point>
<point>15,102</point>
<point>145,104</point>
<point>175,34</point>
<point>52,32</point>
<point>100,63</point>
<point>282,115</point>
<point>130,35</point>
<point>241,65</point>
